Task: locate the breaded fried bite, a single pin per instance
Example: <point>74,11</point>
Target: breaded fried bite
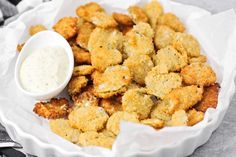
<point>91,118</point>
<point>161,84</point>
<point>172,21</point>
<point>199,59</point>
<point>198,74</point>
<point>62,128</point>
<point>137,101</point>
<point>179,118</point>
<point>137,14</point>
<point>111,105</point>
<point>113,123</point>
<point>122,19</point>
<point>80,55</point>
<point>55,108</point>
<point>67,27</point>
<point>82,70</point>
<point>105,46</point>
<point>76,84</point>
<point>139,66</point>
<point>153,10</point>
<point>153,122</point>
<point>83,36</point>
<point>138,41</point>
<point>36,28</point>
<point>186,43</point>
<point>163,36</point>
<point>194,117</point>
<point>209,99</point>
<point>113,81</point>
<point>101,19</point>
<point>170,59</point>
<point>88,10</point>
<point>93,138</point>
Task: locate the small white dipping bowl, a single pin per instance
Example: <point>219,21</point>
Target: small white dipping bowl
<point>37,41</point>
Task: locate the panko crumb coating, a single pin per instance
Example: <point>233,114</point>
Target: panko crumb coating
<point>172,21</point>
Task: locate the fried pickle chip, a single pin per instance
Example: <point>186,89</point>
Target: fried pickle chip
<point>186,43</point>
<point>91,118</point>
<point>76,84</point>
<point>93,138</point>
<point>138,41</point>
<point>199,59</point>
<point>123,19</point>
<point>105,46</point>
<point>209,99</point>
<point>86,98</point>
<point>137,14</point>
<point>88,10</point>
<point>194,117</point>
<point>19,47</point>
<point>113,123</point>
<point>113,81</point>
<point>82,70</point>
<point>169,59</point>
<point>55,108</point>
<point>111,105</point>
<point>101,19</point>
<point>153,122</point>
<point>125,29</point>
<point>179,118</point>
<point>62,128</point>
<point>83,36</point>
<point>36,28</point>
<point>172,21</point>
<point>67,27</point>
<point>164,36</point>
<point>153,10</point>
<point>80,55</point>
<point>198,74</point>
<point>137,101</point>
<point>161,84</point>
<point>139,66</point>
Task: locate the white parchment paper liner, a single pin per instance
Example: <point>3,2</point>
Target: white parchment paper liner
<point>217,36</point>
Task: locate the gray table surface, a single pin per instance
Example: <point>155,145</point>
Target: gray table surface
<point>223,141</point>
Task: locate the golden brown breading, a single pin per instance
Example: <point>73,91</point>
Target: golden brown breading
<point>82,70</point>
<point>164,36</point>
<point>169,59</point>
<point>88,10</point>
<point>194,117</point>
<point>113,81</point>
<point>153,10</point>
<point>137,101</point>
<point>67,27</point>
<point>209,99</point>
<point>139,66</point>
<point>80,55</point>
<point>93,138</point>
<point>164,109</point>
<point>111,105</point>
<point>101,19</point>
<point>137,14</point>
<point>123,19</point>
<point>125,29</point>
<point>161,84</point>
<point>198,74</point>
<point>172,21</point>
<point>19,47</point>
<point>113,123</point>
<point>86,98</point>
<point>105,46</point>
<point>36,28</point>
<point>76,84</point>
<point>153,122</point>
<point>85,30</point>
<point>186,44</point>
<point>62,128</point>
<point>179,118</point>
<point>90,118</point>
<point>139,40</point>
<point>199,59</point>
<point>55,108</point>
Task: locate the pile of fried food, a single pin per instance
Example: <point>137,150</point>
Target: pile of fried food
<point>142,67</point>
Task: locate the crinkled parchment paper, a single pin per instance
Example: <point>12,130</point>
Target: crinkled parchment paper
<point>216,34</point>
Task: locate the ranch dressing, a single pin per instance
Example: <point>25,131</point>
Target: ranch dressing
<point>44,69</point>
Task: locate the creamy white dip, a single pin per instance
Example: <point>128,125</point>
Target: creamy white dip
<point>44,69</point>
